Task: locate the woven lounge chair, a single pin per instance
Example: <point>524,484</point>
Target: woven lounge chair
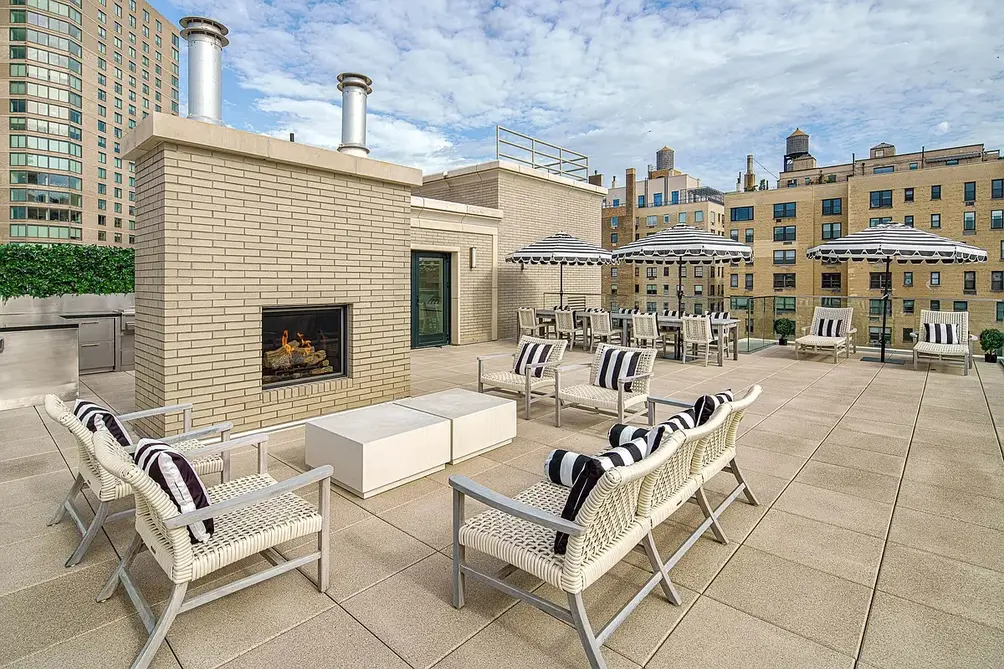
<point>520,531</point>
<point>531,388</point>
<point>619,402</point>
<point>842,341</point>
<point>929,350</point>
<point>105,487</point>
<point>252,514</point>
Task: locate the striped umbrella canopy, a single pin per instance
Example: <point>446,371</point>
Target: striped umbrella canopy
<point>684,244</point>
<point>561,249</point>
<point>895,241</point>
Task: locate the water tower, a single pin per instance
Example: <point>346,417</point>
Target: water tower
<point>796,152</point>
<point>665,159</point>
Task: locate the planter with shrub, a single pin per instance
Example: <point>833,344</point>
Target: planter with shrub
<point>784,328</point>
<point>991,341</point>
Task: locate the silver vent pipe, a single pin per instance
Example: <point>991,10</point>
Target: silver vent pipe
<point>355,88</point>
<point>206,39</point>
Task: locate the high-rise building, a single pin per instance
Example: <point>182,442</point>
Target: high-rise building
<point>642,207</point>
<point>78,76</point>
<point>956,192</point>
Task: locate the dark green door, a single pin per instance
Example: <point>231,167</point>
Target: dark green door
<point>430,299</point>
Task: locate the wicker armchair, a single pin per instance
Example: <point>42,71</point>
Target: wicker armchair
<point>531,388</point>
<point>565,327</point>
<point>526,318</point>
<point>520,531</point>
<point>697,335</point>
<point>601,328</point>
<point>621,402</point>
<point>645,332</point>
<point>842,341</point>
<point>252,515</point>
<point>106,488</point>
<point>961,352</point>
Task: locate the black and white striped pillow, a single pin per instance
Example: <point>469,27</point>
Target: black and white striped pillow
<point>531,353</point>
<point>828,327</point>
<point>563,467</point>
<point>616,364</point>
<point>620,434</point>
<point>88,413</point>
<point>706,405</point>
<point>941,333</point>
<point>174,474</point>
<point>685,420</point>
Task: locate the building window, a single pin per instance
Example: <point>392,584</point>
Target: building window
<point>741,213</point>
<point>969,282</point>
<point>641,201</point>
<point>784,257</point>
<point>784,304</point>
<point>1002,249</point>
<point>613,270</point>
<point>102,235</point>
<point>960,306</point>
<point>617,202</point>
<point>884,169</point>
<point>908,307</point>
<point>907,195</point>
<point>665,219</point>
<point>749,277</point>
<point>908,221</point>
<point>831,281</point>
<point>872,222</point>
<point>657,199</point>
<point>969,191</point>
<point>783,281</point>
<point>784,233</point>
<point>698,272</point>
<point>749,235</point>
<point>683,271</point>
<point>698,217</point>
<point>682,218</point>
<point>935,305</point>
<point>651,221</point>
<point>936,192</point>
<point>734,234</point>
<point>733,280</point>
<point>875,307</point>
<point>997,189</point>
<point>997,281</point>
<point>784,210</point>
<point>997,219</point>
<point>698,289</point>
<point>1000,311</point>
<point>651,272</point>
<point>877,281</point>
<point>831,230</point>
<point>651,289</point>
<point>613,238</point>
<point>907,279</point>
<point>935,220</point>
<point>935,278</point>
<point>880,199</point>
<point>875,332</point>
<point>614,220</point>
<point>833,206</point>
<point>968,222</point>
<point>913,166</point>
<point>831,302</point>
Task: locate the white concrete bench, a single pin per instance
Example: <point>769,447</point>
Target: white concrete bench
<point>479,422</point>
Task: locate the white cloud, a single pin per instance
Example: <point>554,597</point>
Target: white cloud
<point>617,79</point>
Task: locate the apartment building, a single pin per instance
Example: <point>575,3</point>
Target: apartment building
<point>956,192</point>
<point>643,207</point>
<point>79,76</point>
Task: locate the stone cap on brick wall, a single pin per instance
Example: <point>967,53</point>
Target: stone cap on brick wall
<point>422,205</point>
<point>506,166</point>
<point>157,128</point>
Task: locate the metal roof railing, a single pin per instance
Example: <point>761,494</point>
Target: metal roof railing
<point>540,155</point>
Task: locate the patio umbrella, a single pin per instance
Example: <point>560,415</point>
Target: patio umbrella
<point>895,241</point>
<point>561,249</point>
<point>683,244</point>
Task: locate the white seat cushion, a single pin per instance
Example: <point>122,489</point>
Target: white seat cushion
<point>824,342</point>
<point>601,398</point>
<point>516,382</point>
<point>930,348</point>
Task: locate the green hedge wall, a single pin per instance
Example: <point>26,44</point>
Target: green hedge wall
<point>40,270</point>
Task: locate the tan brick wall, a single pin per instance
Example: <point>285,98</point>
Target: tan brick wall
<point>222,235</point>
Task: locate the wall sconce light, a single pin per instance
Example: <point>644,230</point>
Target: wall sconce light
<point>474,257</point>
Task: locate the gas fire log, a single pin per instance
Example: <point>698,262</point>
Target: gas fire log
<point>281,358</point>
<point>298,374</point>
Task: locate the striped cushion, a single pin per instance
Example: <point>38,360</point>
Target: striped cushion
<point>684,420</point>
<point>562,467</point>
<point>589,474</point>
<point>88,413</point>
<point>174,474</point>
<point>828,327</point>
<point>941,333</point>
<point>706,405</point>
<point>616,364</point>
<point>670,314</point>
<point>620,434</point>
<point>719,315</point>
<point>531,353</point>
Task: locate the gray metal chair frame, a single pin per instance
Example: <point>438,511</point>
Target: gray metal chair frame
<point>163,529</point>
<point>89,531</point>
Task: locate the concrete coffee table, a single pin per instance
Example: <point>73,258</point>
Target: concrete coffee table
<point>480,422</point>
<point>378,447</point>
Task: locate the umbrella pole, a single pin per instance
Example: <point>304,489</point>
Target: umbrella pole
<point>679,306</point>
<point>885,304</point>
<point>561,284</point>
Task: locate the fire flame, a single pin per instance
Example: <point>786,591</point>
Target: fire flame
<point>285,339</point>
<point>304,343</point>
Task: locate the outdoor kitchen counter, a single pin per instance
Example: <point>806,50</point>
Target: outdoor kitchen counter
<point>20,322</point>
<point>38,355</point>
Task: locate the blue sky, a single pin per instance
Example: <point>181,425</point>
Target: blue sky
<point>618,79</point>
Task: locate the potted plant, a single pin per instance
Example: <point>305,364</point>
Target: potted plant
<point>991,341</point>
<point>784,327</point>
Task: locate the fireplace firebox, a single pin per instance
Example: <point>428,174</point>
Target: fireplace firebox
<point>302,344</point>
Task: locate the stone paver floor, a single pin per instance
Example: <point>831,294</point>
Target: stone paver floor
<point>879,542</point>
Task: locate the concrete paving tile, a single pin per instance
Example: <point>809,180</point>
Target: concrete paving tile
<point>840,509</point>
<point>806,601</point>
<point>905,635</point>
<point>520,446</point>
<point>954,474</point>
<point>944,536</point>
<point>769,462</point>
<point>468,468</point>
<point>332,639</point>
<point>858,458</point>
<point>983,459</point>
<point>31,465</point>
<point>786,444</point>
<point>393,497</point>
<point>508,480</point>
<point>835,550</point>
<point>715,636</point>
<point>698,566</point>
<point>849,481</point>
<point>949,503</point>
<point>49,552</point>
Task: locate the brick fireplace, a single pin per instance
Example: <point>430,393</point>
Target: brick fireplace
<point>239,233</point>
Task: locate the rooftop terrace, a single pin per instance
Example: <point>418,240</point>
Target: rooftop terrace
<point>879,541</point>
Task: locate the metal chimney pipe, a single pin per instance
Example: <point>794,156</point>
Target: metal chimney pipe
<point>206,38</point>
<point>354,87</point>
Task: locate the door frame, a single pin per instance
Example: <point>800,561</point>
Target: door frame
<point>449,280</point>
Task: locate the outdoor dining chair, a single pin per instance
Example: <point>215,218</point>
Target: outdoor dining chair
<point>645,332</point>
<point>566,328</point>
<point>697,336</point>
<point>601,329</point>
<point>526,318</point>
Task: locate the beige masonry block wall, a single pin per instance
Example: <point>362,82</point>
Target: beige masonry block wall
<point>534,205</point>
<point>454,228</point>
<point>230,222</point>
